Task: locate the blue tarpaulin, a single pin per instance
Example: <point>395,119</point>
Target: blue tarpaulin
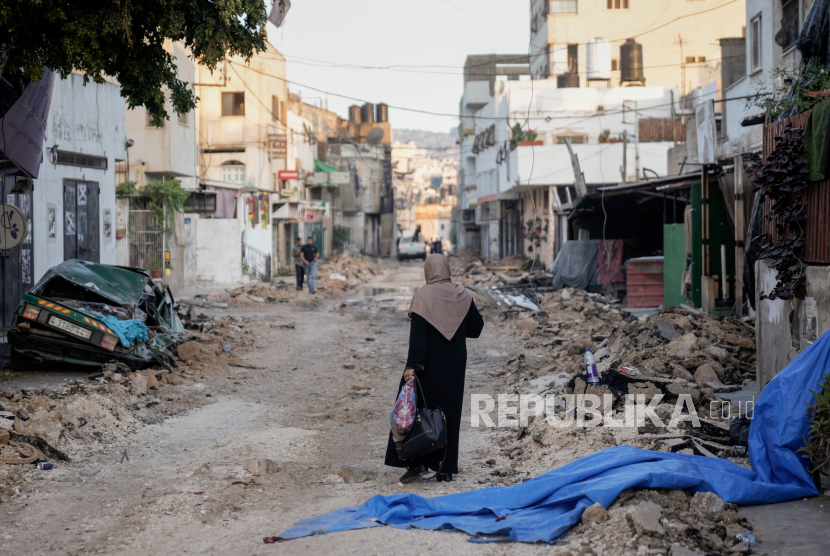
<point>128,331</point>
<point>545,508</point>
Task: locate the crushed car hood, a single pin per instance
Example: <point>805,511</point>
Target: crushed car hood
<point>120,285</point>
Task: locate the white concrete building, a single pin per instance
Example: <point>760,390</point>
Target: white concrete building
<point>514,182</point>
<point>245,140</point>
<point>74,195</point>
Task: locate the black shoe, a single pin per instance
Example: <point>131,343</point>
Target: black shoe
<point>410,477</point>
<point>444,477</point>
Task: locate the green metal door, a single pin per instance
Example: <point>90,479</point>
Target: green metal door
<point>317,236</point>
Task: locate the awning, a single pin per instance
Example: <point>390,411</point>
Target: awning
<point>676,181</point>
<point>324,168</point>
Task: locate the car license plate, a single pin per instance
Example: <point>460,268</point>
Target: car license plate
<point>73,329</point>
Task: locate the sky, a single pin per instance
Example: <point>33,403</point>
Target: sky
<point>319,35</point>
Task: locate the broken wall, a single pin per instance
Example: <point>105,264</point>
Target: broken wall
<point>778,340</point>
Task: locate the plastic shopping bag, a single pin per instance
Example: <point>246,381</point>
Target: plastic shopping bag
<point>403,414</point>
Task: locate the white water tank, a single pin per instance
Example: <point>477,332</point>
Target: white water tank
<point>598,59</point>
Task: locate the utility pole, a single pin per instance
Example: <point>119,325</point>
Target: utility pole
<point>681,42</point>
<point>625,156</point>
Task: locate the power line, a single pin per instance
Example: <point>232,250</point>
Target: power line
<point>326,64</point>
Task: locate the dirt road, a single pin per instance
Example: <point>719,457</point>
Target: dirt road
<point>318,396</point>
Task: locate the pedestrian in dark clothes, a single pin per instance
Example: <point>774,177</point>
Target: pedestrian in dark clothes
<point>308,254</point>
<point>298,263</point>
<point>443,317</point>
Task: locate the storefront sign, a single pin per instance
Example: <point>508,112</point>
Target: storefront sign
<point>289,174</point>
<point>278,145</point>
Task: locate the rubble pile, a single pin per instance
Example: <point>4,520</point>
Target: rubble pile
<point>115,401</point>
<point>673,353</point>
<point>658,521</point>
<point>344,270</point>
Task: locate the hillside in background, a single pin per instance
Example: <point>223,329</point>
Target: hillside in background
<point>424,139</point>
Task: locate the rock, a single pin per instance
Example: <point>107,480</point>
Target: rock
<point>139,385</point>
<point>527,324</point>
<point>17,426</point>
<point>708,505</point>
<point>740,548</point>
<point>38,404</point>
<point>678,550</point>
<point>90,472</point>
<point>8,394</point>
<point>601,354</point>
<point>706,373</point>
<point>718,352</point>
<point>348,365</point>
<point>686,451</point>
<point>22,414</point>
<point>679,390</point>
<point>645,517</point>
<point>718,386</point>
<point>739,341</point>
<point>595,514</point>
<point>730,517</point>
<point>351,474</point>
<point>175,380</point>
<point>141,415</point>
<point>190,351</point>
<point>202,470</point>
<point>257,467</point>
<point>679,372</point>
<point>4,436</point>
<point>666,330</point>
<point>686,342</point>
<point>6,424</point>
<point>29,392</point>
<point>152,381</point>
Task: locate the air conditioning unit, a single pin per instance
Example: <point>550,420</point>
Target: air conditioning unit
<point>468,216</point>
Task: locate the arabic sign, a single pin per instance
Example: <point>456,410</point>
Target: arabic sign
<point>13,227</point>
<point>278,145</point>
<point>24,125</point>
<point>289,174</point>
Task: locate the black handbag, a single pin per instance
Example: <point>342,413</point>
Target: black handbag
<point>428,434</point>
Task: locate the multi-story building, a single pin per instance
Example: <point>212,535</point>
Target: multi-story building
<point>658,43</point>
<point>480,75</point>
<point>247,146</point>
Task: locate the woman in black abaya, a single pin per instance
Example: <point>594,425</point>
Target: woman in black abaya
<point>443,317</point>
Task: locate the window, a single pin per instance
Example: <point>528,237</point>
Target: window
<point>617,4</point>
<point>615,64</point>
<point>275,108</point>
<point>755,43</point>
<point>788,33</point>
<point>81,160</point>
<point>233,172</point>
<point>233,104</point>
<point>574,139</point>
<point>183,118</point>
<point>201,202</point>
<point>150,120</point>
<point>692,59</point>
<point>563,6</point>
<point>316,193</point>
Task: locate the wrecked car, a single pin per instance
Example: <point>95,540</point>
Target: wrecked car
<point>64,317</point>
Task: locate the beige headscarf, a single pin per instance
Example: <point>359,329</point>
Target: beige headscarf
<point>443,304</point>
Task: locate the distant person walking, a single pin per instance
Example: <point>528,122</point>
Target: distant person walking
<point>308,254</point>
<point>299,271</point>
<point>443,317</point>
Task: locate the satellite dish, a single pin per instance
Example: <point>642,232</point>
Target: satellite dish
<point>375,136</point>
